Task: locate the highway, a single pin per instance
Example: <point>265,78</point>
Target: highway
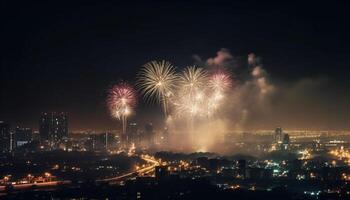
<point>144,170</point>
<point>135,173</point>
<point>29,185</point>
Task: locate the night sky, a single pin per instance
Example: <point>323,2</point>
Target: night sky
<point>60,56</point>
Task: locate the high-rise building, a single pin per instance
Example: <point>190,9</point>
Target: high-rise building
<point>241,166</point>
<point>281,139</point>
<point>285,142</point>
<point>44,126</point>
<point>278,135</point>
<point>101,142</point>
<point>133,133</point>
<point>53,127</point>
<point>5,137</point>
<point>148,135</point>
<point>22,136</point>
<point>286,139</point>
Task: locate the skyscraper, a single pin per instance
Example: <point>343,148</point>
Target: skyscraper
<point>5,137</point>
<point>148,135</point>
<point>53,127</point>
<point>278,135</point>
<point>241,165</point>
<point>22,136</point>
<point>133,133</point>
<point>286,141</point>
<point>44,126</point>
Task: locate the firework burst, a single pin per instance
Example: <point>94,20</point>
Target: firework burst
<point>192,79</point>
<point>157,82</point>
<point>190,96</point>
<point>192,91</point>
<point>191,107</point>
<point>220,81</point>
<point>121,101</point>
<point>192,86</point>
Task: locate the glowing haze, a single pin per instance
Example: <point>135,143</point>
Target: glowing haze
<point>199,102</point>
<point>205,101</point>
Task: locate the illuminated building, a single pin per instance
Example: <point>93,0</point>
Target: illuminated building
<point>53,127</point>
<point>164,137</point>
<point>22,136</point>
<point>100,141</point>
<point>285,142</point>
<point>281,139</point>
<point>133,133</point>
<point>278,135</point>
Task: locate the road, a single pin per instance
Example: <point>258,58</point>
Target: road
<point>135,173</point>
<point>123,177</point>
<point>29,185</point>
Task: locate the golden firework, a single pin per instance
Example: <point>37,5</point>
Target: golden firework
<point>157,82</point>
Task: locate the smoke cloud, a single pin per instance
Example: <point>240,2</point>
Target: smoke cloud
<point>258,101</point>
<point>223,58</point>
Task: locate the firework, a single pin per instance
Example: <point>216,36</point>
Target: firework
<point>213,103</point>
<point>157,81</point>
<point>220,81</point>
<point>193,79</point>
<point>121,101</point>
<point>190,107</point>
<point>190,97</point>
<point>190,94</point>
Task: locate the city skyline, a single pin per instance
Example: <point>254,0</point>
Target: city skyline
<point>45,69</point>
<point>175,100</point>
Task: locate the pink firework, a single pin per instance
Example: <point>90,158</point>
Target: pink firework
<point>220,81</point>
<point>121,101</point>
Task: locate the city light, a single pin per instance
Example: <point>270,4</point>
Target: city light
<point>175,100</point>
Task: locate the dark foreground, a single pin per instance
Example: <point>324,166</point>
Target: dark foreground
<point>149,188</point>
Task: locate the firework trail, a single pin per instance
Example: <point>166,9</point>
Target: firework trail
<point>121,101</point>
<point>157,82</point>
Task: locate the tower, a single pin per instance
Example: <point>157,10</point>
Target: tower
<point>53,127</point>
<point>278,135</point>
<point>5,137</point>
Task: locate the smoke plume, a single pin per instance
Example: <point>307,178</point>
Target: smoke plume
<point>259,101</point>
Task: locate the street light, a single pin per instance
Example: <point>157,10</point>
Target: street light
<point>48,176</point>
<point>30,177</point>
<point>6,179</point>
